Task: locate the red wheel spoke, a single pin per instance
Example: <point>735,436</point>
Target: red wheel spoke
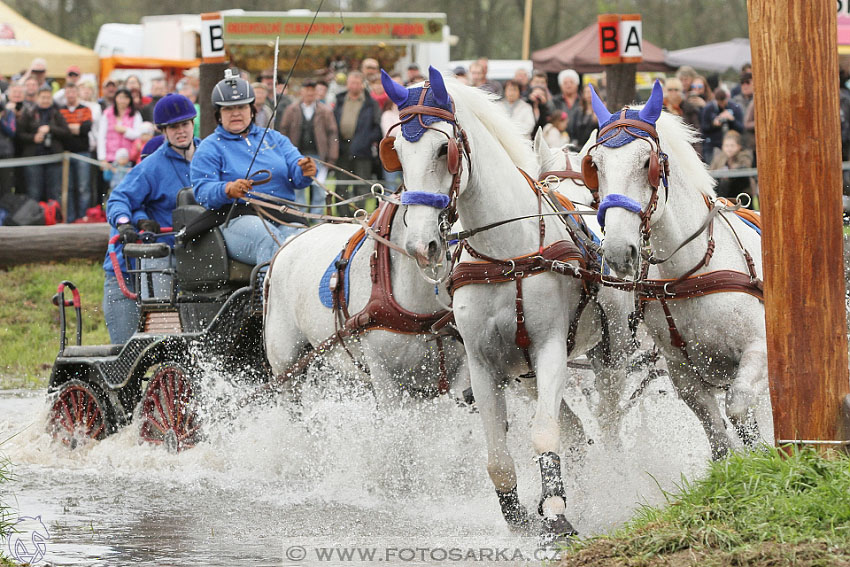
<point>158,409</point>
<point>79,412</point>
<point>167,408</point>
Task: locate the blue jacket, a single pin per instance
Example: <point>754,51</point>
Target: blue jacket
<point>149,191</point>
<point>223,157</point>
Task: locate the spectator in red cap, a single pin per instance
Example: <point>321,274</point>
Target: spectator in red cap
<point>72,77</point>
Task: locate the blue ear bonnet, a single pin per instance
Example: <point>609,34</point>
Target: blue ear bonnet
<point>620,137</point>
<point>412,130</point>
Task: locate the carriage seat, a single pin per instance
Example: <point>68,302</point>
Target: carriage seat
<point>202,262</point>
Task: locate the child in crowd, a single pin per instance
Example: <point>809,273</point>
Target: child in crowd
<point>139,143</point>
<point>555,131</point>
<point>118,169</point>
<point>733,156</point>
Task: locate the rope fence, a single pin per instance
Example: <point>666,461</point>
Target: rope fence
<point>66,157</point>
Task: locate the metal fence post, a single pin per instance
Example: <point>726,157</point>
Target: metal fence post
<point>66,165</point>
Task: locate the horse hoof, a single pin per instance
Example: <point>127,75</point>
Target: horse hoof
<point>556,531</point>
<point>519,522</point>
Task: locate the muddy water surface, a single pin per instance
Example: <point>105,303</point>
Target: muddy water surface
<point>272,488</point>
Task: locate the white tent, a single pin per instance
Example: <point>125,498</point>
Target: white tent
<point>713,56</point>
<point>21,41</point>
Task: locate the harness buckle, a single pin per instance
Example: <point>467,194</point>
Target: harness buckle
<point>668,292</point>
<point>377,190</point>
<point>512,268</point>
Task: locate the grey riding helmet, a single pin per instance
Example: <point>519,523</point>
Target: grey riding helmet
<point>232,91</point>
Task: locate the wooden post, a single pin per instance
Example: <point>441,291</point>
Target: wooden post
<point>66,178</point>
<point>210,74</point>
<point>799,153</point>
<point>620,85</point>
<point>526,29</point>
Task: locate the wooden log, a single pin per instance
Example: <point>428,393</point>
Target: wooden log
<point>33,244</point>
<point>795,71</point>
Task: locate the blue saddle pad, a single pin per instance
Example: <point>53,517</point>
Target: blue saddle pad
<point>751,225</point>
<point>325,292</point>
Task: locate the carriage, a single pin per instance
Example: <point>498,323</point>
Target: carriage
<point>211,310</point>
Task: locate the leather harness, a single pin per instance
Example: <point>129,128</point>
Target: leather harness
<point>688,285</point>
<point>489,270</point>
<point>382,311</point>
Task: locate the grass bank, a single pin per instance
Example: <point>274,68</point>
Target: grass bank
<point>5,514</point>
<point>29,322</point>
<point>763,509</point>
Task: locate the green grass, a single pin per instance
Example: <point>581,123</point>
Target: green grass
<point>763,508</point>
<point>5,515</point>
<point>29,322</point>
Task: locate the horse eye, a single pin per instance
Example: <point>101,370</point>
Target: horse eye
<point>646,165</point>
<point>444,150</point>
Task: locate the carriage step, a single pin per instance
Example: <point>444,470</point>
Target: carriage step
<point>257,292</point>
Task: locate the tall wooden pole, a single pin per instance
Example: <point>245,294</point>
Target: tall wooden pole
<point>526,30</point>
<point>795,72</point>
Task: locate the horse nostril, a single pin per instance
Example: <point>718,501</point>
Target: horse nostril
<point>633,253</point>
<point>433,248</point>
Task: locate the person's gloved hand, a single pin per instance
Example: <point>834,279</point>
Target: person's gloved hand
<point>237,189</point>
<point>308,166</point>
<point>148,225</point>
<point>128,233</point>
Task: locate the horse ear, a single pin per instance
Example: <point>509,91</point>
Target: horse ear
<point>541,148</point>
<point>438,85</point>
<point>602,114</point>
<point>590,141</point>
<point>396,92</point>
<point>652,110</point>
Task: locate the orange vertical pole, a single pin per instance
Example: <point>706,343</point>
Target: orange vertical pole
<point>795,72</point>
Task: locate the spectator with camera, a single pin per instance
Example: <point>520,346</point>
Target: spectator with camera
<point>718,117</point>
<point>540,100</point>
<point>41,130</point>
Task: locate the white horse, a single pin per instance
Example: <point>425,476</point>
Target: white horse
<point>617,304</point>
<point>296,320</point>
<point>460,155</point>
<point>723,333</point>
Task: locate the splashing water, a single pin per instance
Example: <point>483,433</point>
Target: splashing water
<point>332,469</point>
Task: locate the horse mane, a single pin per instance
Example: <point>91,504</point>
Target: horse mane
<point>677,139</point>
<point>482,106</point>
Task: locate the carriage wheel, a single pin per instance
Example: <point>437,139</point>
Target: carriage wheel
<point>169,415</point>
<point>78,414</point>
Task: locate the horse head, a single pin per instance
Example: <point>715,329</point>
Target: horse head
<point>625,159</point>
<point>431,152</point>
<point>555,159</point>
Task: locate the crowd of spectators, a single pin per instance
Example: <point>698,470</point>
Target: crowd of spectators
<point>337,117</point>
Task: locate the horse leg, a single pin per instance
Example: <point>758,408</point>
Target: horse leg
<point>573,436</point>
<point>700,398</point>
<point>551,366</point>
<point>609,359</point>
<point>742,395</point>
<point>609,369</point>
<point>490,399</point>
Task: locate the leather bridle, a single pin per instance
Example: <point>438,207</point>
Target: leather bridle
<point>659,170</point>
<point>458,148</point>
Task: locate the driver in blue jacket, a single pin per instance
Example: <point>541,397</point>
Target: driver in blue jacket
<point>144,201</point>
<point>221,178</point>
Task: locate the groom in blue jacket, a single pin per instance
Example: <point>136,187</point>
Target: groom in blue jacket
<point>144,201</point>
